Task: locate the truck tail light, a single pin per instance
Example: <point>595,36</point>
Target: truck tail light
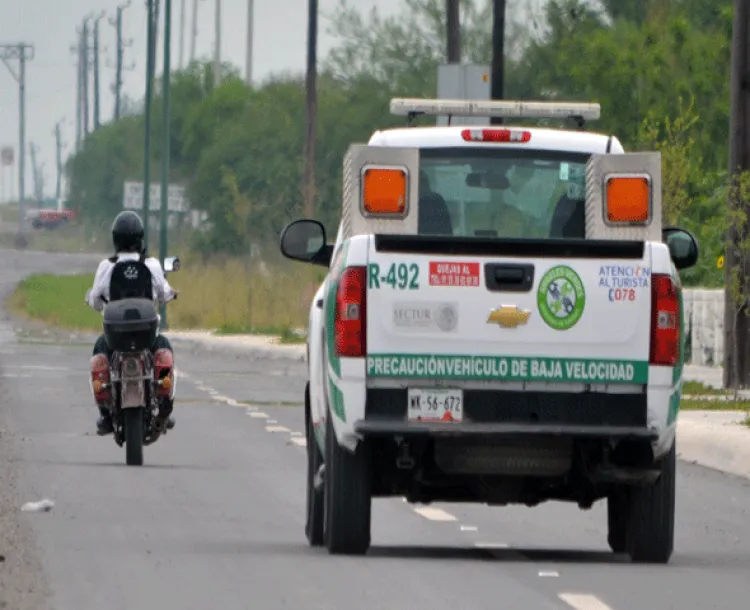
<point>350,322</point>
<point>665,322</point>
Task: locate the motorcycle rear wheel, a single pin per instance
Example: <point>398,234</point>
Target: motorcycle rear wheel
<point>133,436</point>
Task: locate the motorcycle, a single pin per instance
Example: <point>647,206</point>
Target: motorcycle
<point>135,382</point>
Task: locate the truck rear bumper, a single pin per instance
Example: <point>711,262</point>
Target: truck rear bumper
<point>390,428</point>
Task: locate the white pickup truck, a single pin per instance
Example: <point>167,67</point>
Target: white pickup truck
<point>501,323</point>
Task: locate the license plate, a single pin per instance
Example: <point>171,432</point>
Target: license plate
<point>435,405</point>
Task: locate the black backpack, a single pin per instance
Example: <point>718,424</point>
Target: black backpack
<point>131,279</point>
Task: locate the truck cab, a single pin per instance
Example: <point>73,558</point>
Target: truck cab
<point>501,323</point>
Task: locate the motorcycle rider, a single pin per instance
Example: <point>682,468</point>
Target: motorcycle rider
<point>127,237</point>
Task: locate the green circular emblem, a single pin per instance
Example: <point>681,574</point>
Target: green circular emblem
<point>561,298</point>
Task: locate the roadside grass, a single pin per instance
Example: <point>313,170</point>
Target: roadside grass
<point>702,404</point>
<point>56,300</point>
<point>696,388</point>
<point>228,296</point>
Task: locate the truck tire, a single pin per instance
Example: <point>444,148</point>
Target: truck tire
<point>617,521</point>
<point>650,531</point>
<point>348,496</point>
<point>315,516</point>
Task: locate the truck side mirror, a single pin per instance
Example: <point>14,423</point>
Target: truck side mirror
<point>683,247</point>
<point>305,240</point>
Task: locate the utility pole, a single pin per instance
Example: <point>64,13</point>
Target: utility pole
<point>249,50</point>
<point>453,33</point>
<point>78,50</point>
<point>194,31</point>
<point>121,44</point>
<point>311,90</point>
<point>498,55</point>
<point>85,75</point>
<point>35,173</point>
<point>96,70</point>
<point>150,61</point>
<point>22,52</point>
<point>165,143</point>
<point>58,160</point>
<point>182,35</point>
<point>736,323</point>
<point>155,41</point>
<point>217,44</point>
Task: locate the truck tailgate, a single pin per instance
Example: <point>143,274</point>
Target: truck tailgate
<point>507,310</point>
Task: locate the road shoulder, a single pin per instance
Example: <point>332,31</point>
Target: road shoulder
<point>22,582</point>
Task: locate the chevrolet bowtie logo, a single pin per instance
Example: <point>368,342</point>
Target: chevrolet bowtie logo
<point>508,317</point>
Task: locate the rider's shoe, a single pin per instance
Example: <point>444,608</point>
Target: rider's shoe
<point>165,413</point>
<point>104,423</point>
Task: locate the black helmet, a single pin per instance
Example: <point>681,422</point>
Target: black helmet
<point>127,232</point>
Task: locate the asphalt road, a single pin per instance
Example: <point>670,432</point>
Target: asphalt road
<point>215,517</point>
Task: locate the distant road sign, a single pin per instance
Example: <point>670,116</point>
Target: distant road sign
<point>132,198</point>
<point>7,155</point>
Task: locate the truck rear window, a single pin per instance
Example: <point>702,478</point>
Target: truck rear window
<point>504,193</point>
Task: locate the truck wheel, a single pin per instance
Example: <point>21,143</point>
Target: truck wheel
<point>315,515</point>
<point>347,499</point>
<point>650,536</point>
<point>617,521</point>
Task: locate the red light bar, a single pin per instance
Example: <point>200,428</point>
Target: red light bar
<point>496,135</point>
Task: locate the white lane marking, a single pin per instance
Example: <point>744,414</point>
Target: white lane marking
<point>434,514</point>
<point>276,428</point>
<point>549,574</point>
<point>16,376</point>
<point>258,414</point>
<point>272,421</point>
<point>301,442</point>
<point>469,528</point>
<point>296,433</point>
<point>203,388</point>
<point>490,545</point>
<point>213,392</point>
<point>583,601</point>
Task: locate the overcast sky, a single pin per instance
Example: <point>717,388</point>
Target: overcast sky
<point>50,25</point>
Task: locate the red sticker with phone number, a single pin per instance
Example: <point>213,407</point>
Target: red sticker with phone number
<point>454,274</point>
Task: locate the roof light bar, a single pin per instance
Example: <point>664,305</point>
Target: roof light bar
<point>500,108</point>
<point>496,135</point>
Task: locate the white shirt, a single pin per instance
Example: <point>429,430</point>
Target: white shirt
<point>162,293</point>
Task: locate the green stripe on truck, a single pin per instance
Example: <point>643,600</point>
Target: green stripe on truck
<point>507,368</point>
